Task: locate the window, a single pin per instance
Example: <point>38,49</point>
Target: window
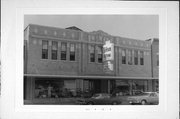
<point>123,56</point>
<point>44,49</point>
<point>52,88</point>
<point>136,57</point>
<point>100,56</point>
<point>157,59</point>
<point>63,51</point>
<point>141,58</point>
<point>120,88</point>
<point>130,57</point>
<point>72,52</point>
<point>139,87</point>
<point>92,53</point>
<point>54,50</point>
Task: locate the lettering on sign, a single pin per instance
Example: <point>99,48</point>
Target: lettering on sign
<point>108,56</point>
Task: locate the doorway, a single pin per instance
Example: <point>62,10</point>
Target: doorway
<point>99,86</point>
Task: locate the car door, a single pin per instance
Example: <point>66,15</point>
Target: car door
<point>106,99</point>
<point>156,98</point>
<point>99,100</point>
<point>153,98</point>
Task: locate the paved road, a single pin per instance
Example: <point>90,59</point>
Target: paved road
<point>60,101</point>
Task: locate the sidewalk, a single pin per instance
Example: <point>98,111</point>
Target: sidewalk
<point>61,101</point>
<point>53,101</point>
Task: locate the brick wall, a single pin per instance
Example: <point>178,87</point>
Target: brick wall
<point>155,53</point>
<point>82,66</point>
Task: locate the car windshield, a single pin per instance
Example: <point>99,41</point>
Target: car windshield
<point>144,93</point>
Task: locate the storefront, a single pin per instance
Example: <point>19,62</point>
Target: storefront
<point>41,87</point>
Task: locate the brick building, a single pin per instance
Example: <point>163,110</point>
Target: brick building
<point>70,60</point>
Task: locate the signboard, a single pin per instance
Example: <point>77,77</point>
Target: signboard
<point>108,56</point>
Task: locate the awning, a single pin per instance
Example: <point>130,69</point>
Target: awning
<point>88,77</point>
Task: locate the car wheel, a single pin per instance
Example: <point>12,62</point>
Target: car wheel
<point>114,103</point>
<point>90,103</point>
<point>143,102</point>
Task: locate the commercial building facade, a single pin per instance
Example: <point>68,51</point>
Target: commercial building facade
<point>58,62</point>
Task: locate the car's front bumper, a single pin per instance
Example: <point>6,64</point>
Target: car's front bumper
<point>134,101</point>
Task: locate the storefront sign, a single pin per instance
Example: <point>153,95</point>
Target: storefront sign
<point>108,53</point>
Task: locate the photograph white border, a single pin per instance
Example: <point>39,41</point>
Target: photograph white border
<point>118,11</point>
<point>118,8</point>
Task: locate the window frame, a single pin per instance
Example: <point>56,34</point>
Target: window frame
<point>92,53</point>
<point>54,51</point>
<point>44,52</point>
<point>123,56</point>
<point>135,58</point>
<point>99,47</point>
<point>74,52</point>
<point>130,58</point>
<point>157,61</point>
<point>63,51</point>
<point>141,57</point>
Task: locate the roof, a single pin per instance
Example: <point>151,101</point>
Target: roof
<point>74,28</point>
<point>99,32</point>
<point>153,39</point>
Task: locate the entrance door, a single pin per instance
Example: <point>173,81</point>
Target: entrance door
<point>97,86</point>
<point>104,86</point>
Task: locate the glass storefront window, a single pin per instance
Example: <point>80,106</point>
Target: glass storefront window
<point>139,86</point>
<point>65,88</point>
<point>129,87</point>
<point>121,88</point>
<point>54,88</point>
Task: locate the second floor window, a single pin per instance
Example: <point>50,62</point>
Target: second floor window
<point>157,59</point>
<point>92,53</point>
<point>141,58</point>
<point>63,51</point>
<point>72,52</point>
<point>100,54</point>
<point>44,49</point>
<point>123,56</point>
<point>54,50</point>
<point>136,57</point>
<point>130,57</point>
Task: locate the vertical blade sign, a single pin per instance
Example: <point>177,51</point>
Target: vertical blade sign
<point>108,57</point>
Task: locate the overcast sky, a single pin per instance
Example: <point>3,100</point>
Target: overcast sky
<point>140,27</point>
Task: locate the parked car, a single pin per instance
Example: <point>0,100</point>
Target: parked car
<point>87,94</point>
<point>100,99</point>
<point>144,98</point>
<point>120,92</point>
<point>137,92</point>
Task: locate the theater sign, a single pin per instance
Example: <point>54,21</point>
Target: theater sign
<point>108,53</point>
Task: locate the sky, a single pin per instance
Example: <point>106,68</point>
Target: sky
<point>140,27</point>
